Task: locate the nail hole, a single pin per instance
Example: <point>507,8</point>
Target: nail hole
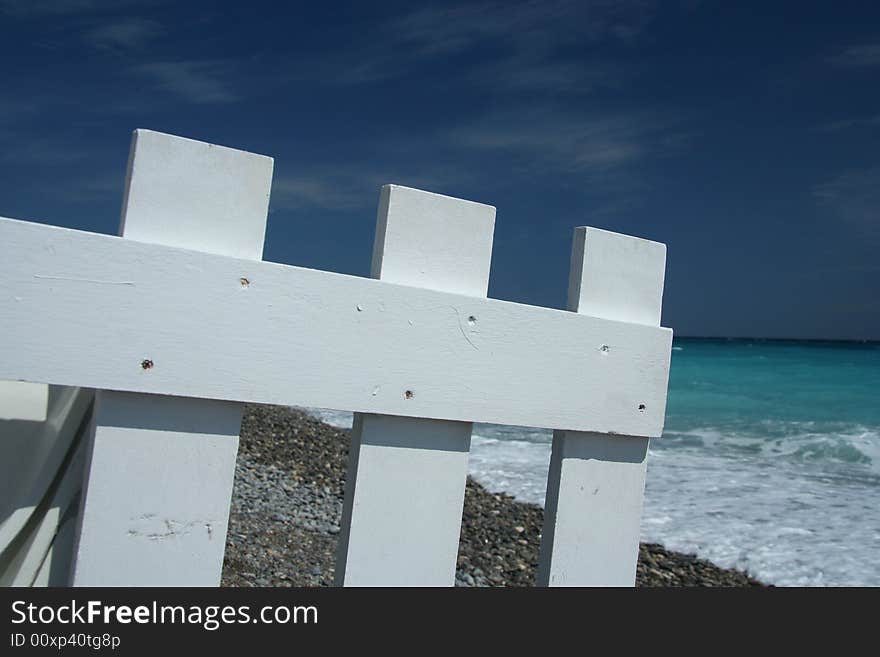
<point>641,408</point>
<point>146,364</point>
<point>359,307</point>
<point>472,320</point>
<point>604,348</point>
<point>244,281</point>
<point>408,394</point>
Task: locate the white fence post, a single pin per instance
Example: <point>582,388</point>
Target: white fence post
<point>406,476</point>
<point>181,322</point>
<point>596,481</point>
<point>160,469</point>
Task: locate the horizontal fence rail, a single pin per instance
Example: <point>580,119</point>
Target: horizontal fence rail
<point>153,341</point>
<point>150,318</point>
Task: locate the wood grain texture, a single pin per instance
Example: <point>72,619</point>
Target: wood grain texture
<point>596,481</point>
<point>405,486</point>
<point>224,328</point>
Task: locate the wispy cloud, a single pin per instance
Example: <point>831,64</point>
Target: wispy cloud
<point>523,44</point>
<point>107,186</point>
<point>530,73</point>
<point>531,25</point>
<point>310,191</point>
<point>12,109</point>
<point>125,34</point>
<point>845,124</point>
<point>41,151</point>
<point>854,197</point>
<point>41,8</point>
<point>861,56</point>
<point>572,143</point>
<point>201,82</point>
<point>349,188</point>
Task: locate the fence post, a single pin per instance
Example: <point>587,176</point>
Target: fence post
<point>596,481</point>
<point>160,469</point>
<point>406,476</point>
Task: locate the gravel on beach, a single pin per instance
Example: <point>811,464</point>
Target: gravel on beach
<point>287,504</point>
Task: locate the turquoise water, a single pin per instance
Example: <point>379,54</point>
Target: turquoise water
<point>769,462</point>
<point>810,401</point>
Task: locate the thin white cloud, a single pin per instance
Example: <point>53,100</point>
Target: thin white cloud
<point>533,25</point>
<point>11,110</point>
<point>563,142</point>
<point>305,191</point>
<point>99,187</point>
<point>42,8</point>
<point>861,56</point>
<point>349,188</point>
<point>40,151</point>
<point>554,76</point>
<point>534,39</point>
<point>202,82</point>
<point>845,124</point>
<point>126,34</point>
<point>854,197</point>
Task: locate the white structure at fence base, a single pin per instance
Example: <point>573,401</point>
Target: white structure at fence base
<point>177,323</point>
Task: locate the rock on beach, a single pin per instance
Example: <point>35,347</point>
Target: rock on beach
<point>287,505</point>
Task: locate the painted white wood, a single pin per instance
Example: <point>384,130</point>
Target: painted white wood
<point>593,507</point>
<point>592,510</point>
<point>406,478</point>
<point>402,513</point>
<point>158,491</point>
<point>433,241</point>
<point>38,549</point>
<point>24,409</point>
<point>160,472</point>
<point>616,276</point>
<point>33,452</point>
<point>24,402</point>
<point>221,328</point>
<point>55,569</point>
<point>196,195</point>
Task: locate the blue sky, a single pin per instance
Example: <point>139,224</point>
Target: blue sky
<point>746,136</point>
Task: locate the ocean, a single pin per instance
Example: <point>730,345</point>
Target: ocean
<point>769,461</point>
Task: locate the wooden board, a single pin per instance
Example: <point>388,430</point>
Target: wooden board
<point>406,478</point>
<point>151,318</point>
<point>157,496</point>
<point>160,469</point>
<point>596,481</point>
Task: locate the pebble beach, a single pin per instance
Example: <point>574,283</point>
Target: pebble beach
<point>287,505</point>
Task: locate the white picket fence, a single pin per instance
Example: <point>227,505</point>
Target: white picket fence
<point>120,470</point>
